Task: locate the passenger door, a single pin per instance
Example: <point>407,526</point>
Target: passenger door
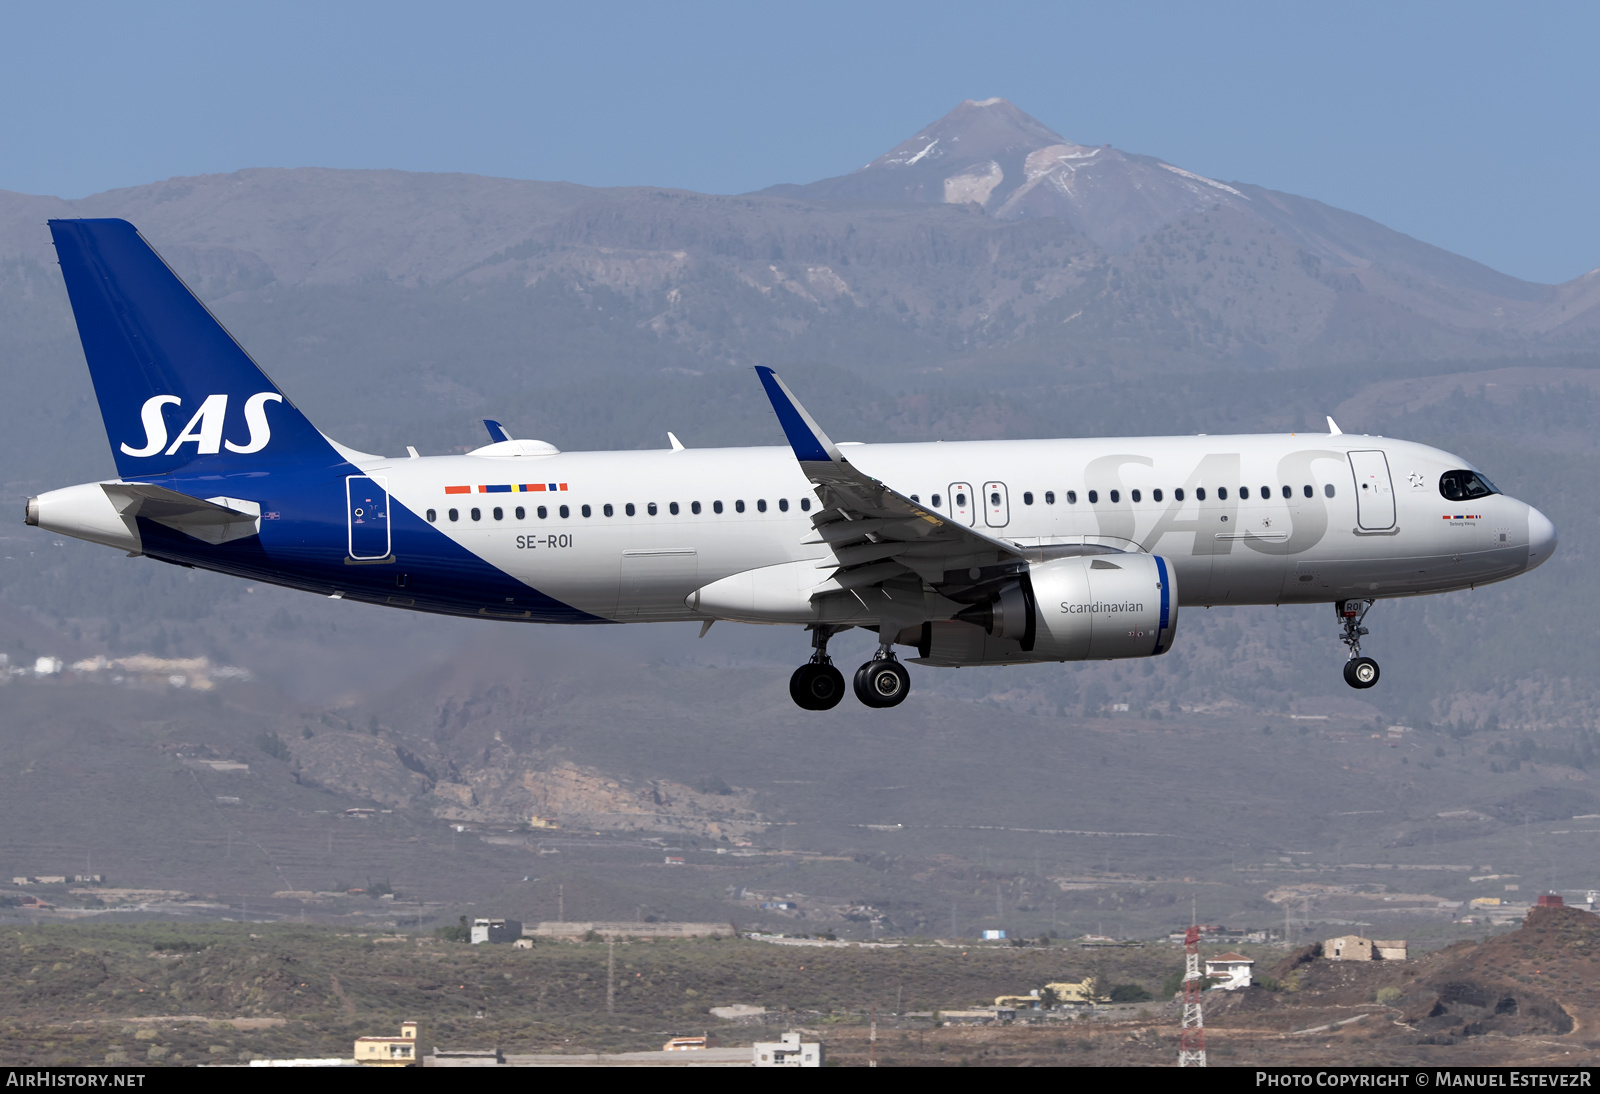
<point>367,510</point>
<point>996,505</point>
<point>1374,492</point>
<point>963,506</point>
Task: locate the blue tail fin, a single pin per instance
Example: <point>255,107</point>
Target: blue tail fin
<point>175,390</point>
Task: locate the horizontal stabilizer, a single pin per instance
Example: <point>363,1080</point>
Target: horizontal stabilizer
<point>214,520</point>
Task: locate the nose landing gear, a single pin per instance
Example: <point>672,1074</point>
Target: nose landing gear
<point>1359,672</point>
<point>817,685</point>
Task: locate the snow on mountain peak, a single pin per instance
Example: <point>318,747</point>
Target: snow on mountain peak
<point>988,153</point>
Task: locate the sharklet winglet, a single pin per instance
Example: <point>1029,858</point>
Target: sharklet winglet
<point>810,443</point>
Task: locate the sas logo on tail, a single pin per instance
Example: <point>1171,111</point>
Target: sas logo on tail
<point>205,428</point>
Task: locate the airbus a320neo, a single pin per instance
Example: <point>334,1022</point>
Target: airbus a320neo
<point>972,553</point>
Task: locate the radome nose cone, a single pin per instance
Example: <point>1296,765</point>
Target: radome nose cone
<point>1541,538</point>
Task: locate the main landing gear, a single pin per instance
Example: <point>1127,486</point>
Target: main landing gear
<point>1359,672</point>
<point>817,685</point>
<point>883,681</point>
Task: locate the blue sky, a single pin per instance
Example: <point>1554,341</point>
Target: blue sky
<point>1471,126</point>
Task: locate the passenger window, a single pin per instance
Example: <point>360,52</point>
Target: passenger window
<point>499,513</point>
<point>565,512</point>
<point>673,508</point>
<point>1115,497</point>
<point>783,503</point>
<point>1094,496</point>
<point>476,514</point>
<point>1199,493</point>
<point>455,514</point>
<point>1049,497</point>
<point>1027,497</point>
<point>1288,492</point>
<point>433,515</point>
<point>961,499</point>
<point>761,505</point>
<point>1327,490</point>
<point>608,510</point>
<point>586,511</point>
<point>1244,493</point>
<point>543,513</point>
<point>1178,493</point>
<point>629,510</point>
<point>1072,497</point>
<point>1222,494</point>
<point>1308,490</point>
<point>651,509</point>
<point>1134,495</point>
<point>522,514</point>
<point>738,506</point>
<point>936,501</point>
<point>1266,493</point>
<point>994,499</point>
<point>694,507</point>
<point>1155,494</point>
<point>716,507</point>
<point>805,505</point>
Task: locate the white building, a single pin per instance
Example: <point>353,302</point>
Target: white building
<point>1232,970</point>
<point>789,1052</point>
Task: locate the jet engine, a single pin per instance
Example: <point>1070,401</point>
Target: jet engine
<point>1089,608</point>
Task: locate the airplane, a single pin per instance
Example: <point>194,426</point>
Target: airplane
<point>971,553</point>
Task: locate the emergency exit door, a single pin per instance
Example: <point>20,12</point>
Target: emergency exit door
<point>1374,492</point>
<point>996,505</point>
<point>367,507</point>
<point>963,506</point>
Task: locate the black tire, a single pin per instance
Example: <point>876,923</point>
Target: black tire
<point>883,683</point>
<point>1361,672</point>
<point>816,687</point>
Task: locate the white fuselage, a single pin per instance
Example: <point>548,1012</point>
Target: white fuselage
<point>1370,525</point>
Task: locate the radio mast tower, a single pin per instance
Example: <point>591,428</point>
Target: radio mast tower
<point>1192,1039</point>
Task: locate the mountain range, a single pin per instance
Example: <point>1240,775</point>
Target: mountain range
<point>986,240</point>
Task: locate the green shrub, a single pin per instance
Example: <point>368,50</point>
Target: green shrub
<point>1129,993</point>
<point>459,933</point>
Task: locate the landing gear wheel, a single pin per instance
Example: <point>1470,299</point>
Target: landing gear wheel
<point>1361,672</point>
<point>882,683</point>
<point>816,687</point>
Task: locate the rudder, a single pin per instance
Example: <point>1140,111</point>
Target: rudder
<point>175,389</point>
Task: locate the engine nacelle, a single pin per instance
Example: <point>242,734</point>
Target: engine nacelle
<point>1104,606</point>
<point>1090,608</point>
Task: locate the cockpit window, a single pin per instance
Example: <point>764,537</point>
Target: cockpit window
<point>1465,485</point>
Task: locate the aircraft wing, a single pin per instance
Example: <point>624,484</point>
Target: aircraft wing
<point>214,520</point>
<point>876,533</point>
